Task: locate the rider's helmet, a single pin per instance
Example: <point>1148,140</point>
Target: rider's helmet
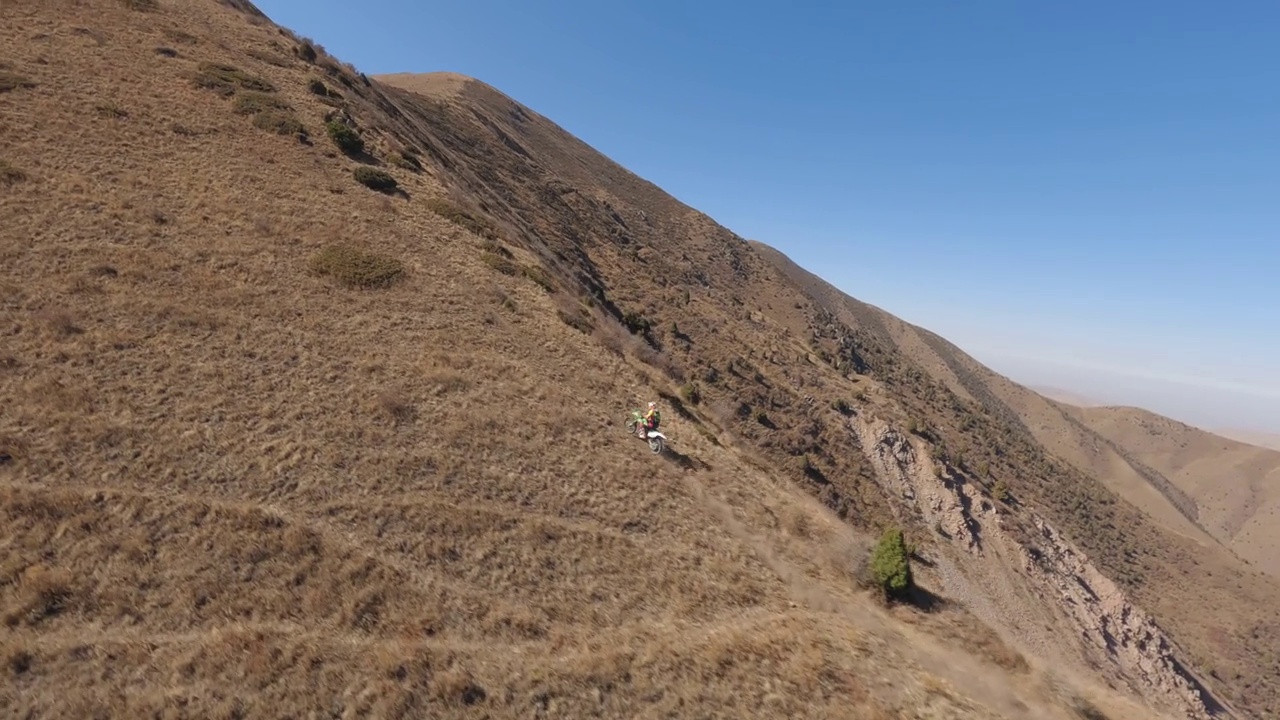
<point>652,405</point>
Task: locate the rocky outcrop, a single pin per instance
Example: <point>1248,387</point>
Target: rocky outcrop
<point>1109,621</point>
<point>1053,568</point>
<point>945,500</point>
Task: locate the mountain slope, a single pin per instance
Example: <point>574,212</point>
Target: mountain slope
<point>1235,486</point>
<point>1171,566</point>
<point>279,443</point>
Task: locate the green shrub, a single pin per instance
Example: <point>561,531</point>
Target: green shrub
<point>691,393</point>
<point>636,323</point>
<point>280,123</point>
<point>891,564</point>
<point>226,79</point>
<point>141,5</point>
<point>500,263</point>
<point>407,161</point>
<point>270,58</point>
<point>497,248</point>
<point>1000,491</point>
<point>13,81</point>
<point>447,210</point>
<point>306,51</point>
<point>355,268</point>
<point>803,465</point>
<point>374,178</point>
<point>538,276</point>
<point>576,320</point>
<point>255,102</point>
<point>347,139</point>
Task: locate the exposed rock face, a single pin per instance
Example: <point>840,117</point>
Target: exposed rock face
<point>1110,621</point>
<point>1055,570</point>
<point>946,501</point>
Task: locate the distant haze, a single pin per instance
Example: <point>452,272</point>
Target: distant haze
<point>1207,403</point>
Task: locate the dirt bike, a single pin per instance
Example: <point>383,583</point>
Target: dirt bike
<point>635,426</point>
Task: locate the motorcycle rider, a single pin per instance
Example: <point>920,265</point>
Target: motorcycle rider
<point>652,418</point>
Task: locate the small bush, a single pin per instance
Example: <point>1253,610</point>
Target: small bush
<point>179,36</point>
<point>141,5</point>
<point>20,661</point>
<point>691,393</point>
<point>1086,710</point>
<point>270,58</point>
<point>166,52</point>
<point>576,320</point>
<point>356,268</point>
<point>397,406</point>
<point>347,139</point>
<point>538,276</point>
<point>636,323</point>
<point>500,263</point>
<point>10,175</point>
<point>226,79</point>
<point>45,592</point>
<point>406,161</point>
<point>497,248</point>
<point>317,87</point>
<point>447,210</point>
<point>1000,492</point>
<point>374,178</point>
<point>891,564</point>
<point>111,112</point>
<point>280,123</point>
<point>842,406</point>
<point>306,51</point>
<point>13,81</point>
<point>255,102</point>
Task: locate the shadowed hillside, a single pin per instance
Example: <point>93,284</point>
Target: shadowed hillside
<point>315,386</point>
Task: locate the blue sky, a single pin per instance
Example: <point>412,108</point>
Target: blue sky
<point>1079,194</point>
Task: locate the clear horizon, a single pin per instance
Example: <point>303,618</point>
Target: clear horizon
<point>1080,196</point>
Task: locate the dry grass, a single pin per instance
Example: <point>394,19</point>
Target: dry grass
<point>10,81</point>
<point>229,487</point>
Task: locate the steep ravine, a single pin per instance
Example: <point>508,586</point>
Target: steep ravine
<point>1002,578</point>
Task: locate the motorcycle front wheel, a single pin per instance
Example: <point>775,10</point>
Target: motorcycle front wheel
<point>655,444</point>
